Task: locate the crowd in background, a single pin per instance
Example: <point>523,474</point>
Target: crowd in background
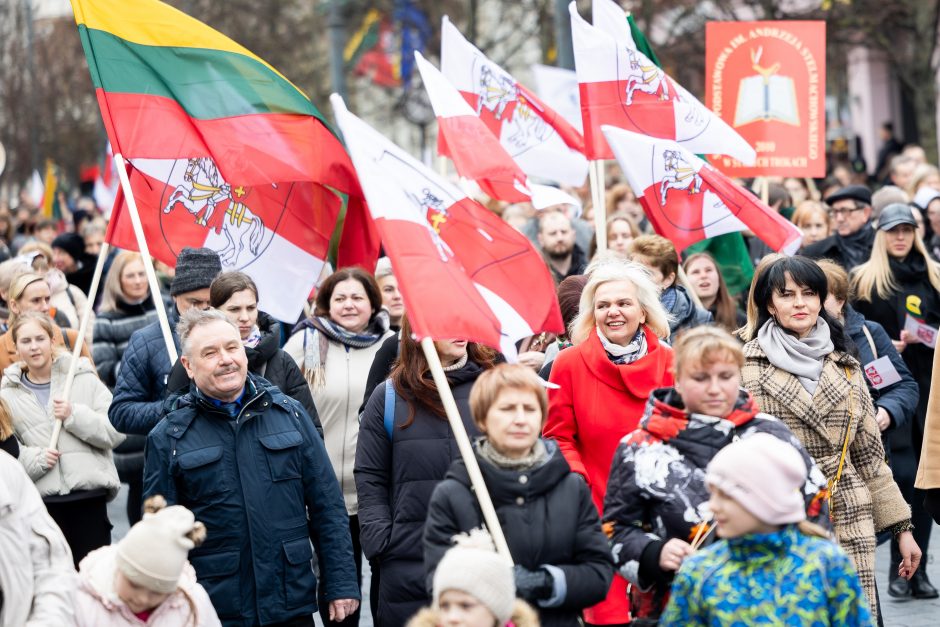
<point>697,428</point>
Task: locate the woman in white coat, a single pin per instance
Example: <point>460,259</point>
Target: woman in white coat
<point>77,478</point>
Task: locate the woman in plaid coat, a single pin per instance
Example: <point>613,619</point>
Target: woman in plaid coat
<point>798,369</point>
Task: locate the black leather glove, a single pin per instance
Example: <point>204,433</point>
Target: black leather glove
<point>533,585</point>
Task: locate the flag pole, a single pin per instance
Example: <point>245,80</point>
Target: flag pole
<point>145,254</point>
<point>600,204</point>
<point>80,340</point>
<point>466,449</point>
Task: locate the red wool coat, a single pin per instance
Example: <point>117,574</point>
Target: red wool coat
<point>596,405</point>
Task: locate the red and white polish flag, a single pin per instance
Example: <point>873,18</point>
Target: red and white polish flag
<point>462,271</point>
<point>476,152</point>
<point>687,200</point>
<point>621,87</point>
<point>541,141</point>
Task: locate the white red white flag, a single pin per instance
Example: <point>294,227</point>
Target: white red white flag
<point>621,87</point>
<point>686,200</point>
<point>459,267</point>
<point>541,141</point>
<point>106,184</point>
<point>476,152</point>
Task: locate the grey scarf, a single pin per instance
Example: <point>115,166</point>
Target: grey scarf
<point>625,354</point>
<point>802,358</point>
<point>536,457</point>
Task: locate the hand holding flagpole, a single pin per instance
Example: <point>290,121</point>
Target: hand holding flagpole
<point>80,340</point>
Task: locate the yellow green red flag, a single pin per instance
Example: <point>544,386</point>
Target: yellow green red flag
<point>173,90</point>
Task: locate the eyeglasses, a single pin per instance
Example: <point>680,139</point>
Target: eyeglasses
<point>839,213</point>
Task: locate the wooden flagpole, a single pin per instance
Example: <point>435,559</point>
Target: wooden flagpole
<point>598,199</point>
<point>145,253</point>
<point>466,449</point>
<point>80,340</point>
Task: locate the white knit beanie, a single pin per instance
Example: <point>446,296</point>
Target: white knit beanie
<point>765,475</point>
<point>154,551</point>
<point>474,567</point>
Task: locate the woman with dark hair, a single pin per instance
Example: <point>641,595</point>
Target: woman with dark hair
<point>405,448</point>
<point>798,368</point>
<point>705,277</point>
<point>236,295</point>
<point>334,349</point>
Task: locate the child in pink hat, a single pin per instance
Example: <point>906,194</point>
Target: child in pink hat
<point>770,564</point>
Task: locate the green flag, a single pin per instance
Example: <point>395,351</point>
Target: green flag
<point>729,250</point>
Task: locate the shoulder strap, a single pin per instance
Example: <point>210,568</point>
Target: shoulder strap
<point>871,340</point>
<point>65,338</point>
<point>845,443</point>
<point>389,414</point>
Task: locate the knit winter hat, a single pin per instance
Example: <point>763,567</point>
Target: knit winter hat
<point>196,268</point>
<point>154,551</point>
<point>72,243</point>
<point>474,567</point>
<point>765,475</point>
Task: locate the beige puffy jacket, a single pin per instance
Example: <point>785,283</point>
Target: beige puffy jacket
<point>36,573</point>
<point>87,436</point>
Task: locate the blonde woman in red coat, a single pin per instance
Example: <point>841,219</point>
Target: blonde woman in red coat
<point>604,382</point>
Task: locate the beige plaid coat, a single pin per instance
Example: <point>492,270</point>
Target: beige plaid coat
<point>866,499</point>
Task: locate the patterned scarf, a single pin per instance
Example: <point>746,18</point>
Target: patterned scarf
<point>320,330</point>
<point>253,339</point>
<point>625,354</point>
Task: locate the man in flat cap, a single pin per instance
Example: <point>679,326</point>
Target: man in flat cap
<point>850,245</point>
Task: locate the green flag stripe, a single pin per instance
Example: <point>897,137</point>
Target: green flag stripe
<point>208,84</point>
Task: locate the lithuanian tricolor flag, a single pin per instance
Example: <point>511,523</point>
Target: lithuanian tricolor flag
<point>209,127</point>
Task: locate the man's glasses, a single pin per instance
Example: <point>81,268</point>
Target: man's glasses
<point>839,213</point>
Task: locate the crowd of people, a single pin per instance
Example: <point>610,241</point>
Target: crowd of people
<point>693,449</point>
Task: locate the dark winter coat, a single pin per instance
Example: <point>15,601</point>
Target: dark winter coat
<point>266,360</point>
<point>548,518</point>
<point>685,313</point>
<point>656,488</point>
<point>254,480</point>
<point>849,252</point>
<point>899,399</point>
<point>137,406</point>
<point>11,446</point>
<point>915,296</point>
<point>394,481</point>
<point>113,330</point>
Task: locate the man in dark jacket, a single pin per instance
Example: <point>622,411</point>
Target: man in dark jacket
<point>245,458</point>
<point>142,375</point>
<point>556,240</point>
<point>850,245</point>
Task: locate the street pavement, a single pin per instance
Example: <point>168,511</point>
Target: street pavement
<point>897,613</point>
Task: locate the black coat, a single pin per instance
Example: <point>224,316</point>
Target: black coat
<point>849,252</point>
<point>916,295</point>
<point>394,482</point>
<point>548,517</point>
<point>266,360</point>
<point>898,399</point>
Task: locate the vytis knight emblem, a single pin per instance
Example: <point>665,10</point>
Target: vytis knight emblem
<point>202,192</point>
<point>679,175</point>
<point>434,209</point>
<point>498,94</point>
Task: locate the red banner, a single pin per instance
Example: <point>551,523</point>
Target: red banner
<point>768,81</point>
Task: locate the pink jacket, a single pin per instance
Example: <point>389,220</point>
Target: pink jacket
<point>97,605</point>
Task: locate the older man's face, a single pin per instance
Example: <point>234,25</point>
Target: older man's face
<point>848,218</point>
<point>215,360</point>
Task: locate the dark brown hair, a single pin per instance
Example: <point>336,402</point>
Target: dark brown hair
<point>227,284</point>
<point>325,293</point>
<point>411,375</point>
<point>726,309</point>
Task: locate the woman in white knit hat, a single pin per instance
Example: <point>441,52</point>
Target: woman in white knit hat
<point>145,579</point>
<point>770,565</point>
<point>474,587</point>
